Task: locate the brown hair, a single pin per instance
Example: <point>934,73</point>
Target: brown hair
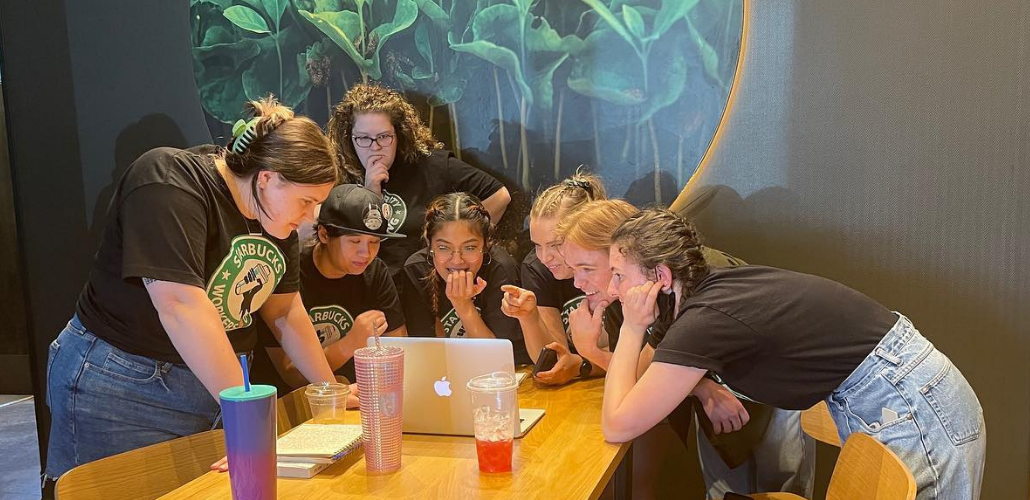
<point>659,236</point>
<point>452,207</point>
<point>292,146</point>
<point>592,225</point>
<point>414,139</point>
<point>568,195</point>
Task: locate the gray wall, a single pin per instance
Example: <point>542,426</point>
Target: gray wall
<point>88,86</point>
<point>887,145</point>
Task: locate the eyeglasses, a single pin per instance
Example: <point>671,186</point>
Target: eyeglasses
<point>364,141</point>
<point>446,252</point>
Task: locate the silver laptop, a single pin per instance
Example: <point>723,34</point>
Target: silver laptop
<point>436,371</point>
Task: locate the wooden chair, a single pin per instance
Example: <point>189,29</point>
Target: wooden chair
<point>817,422</point>
<point>144,473</point>
<point>291,410</point>
<point>865,469</point>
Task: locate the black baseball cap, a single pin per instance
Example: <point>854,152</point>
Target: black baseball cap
<point>352,208</point>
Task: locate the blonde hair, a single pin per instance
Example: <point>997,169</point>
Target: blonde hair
<point>658,236</point>
<point>292,146</point>
<point>592,225</point>
<point>568,195</point>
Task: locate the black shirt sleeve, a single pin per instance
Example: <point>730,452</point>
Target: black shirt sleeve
<point>164,232</point>
<point>705,338</point>
<point>465,177</point>
<point>503,271</point>
<point>536,280</point>
<point>414,298</point>
<point>385,297</point>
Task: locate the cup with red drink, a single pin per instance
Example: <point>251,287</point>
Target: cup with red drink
<point>495,413</point>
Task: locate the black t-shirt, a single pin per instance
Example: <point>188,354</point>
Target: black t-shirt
<point>416,299</point>
<point>332,305</point>
<point>172,218</point>
<point>412,187</point>
<point>779,337</point>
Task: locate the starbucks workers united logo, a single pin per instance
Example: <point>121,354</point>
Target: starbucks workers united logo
<point>396,213</point>
<point>331,323</point>
<point>246,278</point>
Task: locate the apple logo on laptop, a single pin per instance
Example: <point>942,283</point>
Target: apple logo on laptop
<point>442,387</point>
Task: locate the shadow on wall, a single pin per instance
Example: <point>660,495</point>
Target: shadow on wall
<point>151,131</point>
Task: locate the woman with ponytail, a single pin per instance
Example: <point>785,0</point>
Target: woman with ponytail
<point>453,286</point>
<point>197,242</point>
<point>548,295</point>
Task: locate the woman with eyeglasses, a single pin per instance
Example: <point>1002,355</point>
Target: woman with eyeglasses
<point>385,146</point>
<point>452,288</point>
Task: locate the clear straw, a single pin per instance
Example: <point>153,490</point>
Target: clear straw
<point>375,332</point>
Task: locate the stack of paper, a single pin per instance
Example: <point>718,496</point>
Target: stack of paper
<point>309,448</point>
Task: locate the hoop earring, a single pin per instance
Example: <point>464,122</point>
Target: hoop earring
<point>489,258</point>
<point>430,256</point>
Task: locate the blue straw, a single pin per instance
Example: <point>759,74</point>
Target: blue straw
<point>246,373</point>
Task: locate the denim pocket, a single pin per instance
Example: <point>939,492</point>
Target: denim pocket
<point>51,354</point>
<point>955,404</point>
<point>127,367</point>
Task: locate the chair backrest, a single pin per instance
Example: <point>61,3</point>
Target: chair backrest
<point>817,422</point>
<point>869,470</point>
<point>292,410</point>
<point>144,473</point>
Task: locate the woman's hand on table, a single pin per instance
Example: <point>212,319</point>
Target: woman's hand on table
<point>221,465</point>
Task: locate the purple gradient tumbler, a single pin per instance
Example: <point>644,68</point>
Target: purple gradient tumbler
<point>248,415</point>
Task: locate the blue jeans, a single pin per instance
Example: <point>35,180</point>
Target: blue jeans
<point>909,396</point>
<point>105,401</point>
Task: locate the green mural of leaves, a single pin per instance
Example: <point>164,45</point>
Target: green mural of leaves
<point>216,65</point>
<point>247,56</point>
<point>262,76</point>
<point>348,30</point>
<point>247,18</point>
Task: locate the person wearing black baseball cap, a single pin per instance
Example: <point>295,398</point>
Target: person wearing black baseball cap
<point>345,287</point>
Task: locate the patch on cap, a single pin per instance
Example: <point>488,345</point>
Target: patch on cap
<point>373,218</point>
<point>387,211</point>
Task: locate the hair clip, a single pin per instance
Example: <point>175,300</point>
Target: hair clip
<point>243,133</point>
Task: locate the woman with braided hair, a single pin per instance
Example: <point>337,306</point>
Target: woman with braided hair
<point>196,241</point>
<point>788,340</point>
<point>452,288</point>
<point>548,294</point>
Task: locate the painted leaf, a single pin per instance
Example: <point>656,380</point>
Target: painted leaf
<point>217,68</point>
<point>593,74</point>
<point>262,77</point>
<point>404,16</point>
<point>671,11</point>
<point>611,20</point>
<point>425,49</point>
<point>434,12</point>
<point>340,27</point>
<point>246,18</point>
<point>709,57</point>
<point>634,23</point>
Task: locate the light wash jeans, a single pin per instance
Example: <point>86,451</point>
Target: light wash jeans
<point>909,396</point>
<point>783,461</point>
<point>104,401</point>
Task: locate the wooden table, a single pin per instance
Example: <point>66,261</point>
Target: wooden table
<point>563,456</point>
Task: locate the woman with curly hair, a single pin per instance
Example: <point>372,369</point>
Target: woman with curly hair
<point>386,147</point>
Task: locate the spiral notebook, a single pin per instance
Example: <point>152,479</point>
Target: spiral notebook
<point>309,448</point>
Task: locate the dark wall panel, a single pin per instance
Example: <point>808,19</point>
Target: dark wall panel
<point>89,86</point>
<point>885,145</point>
